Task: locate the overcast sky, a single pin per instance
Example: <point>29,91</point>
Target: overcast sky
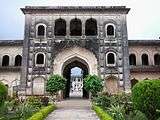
<point>143,19</point>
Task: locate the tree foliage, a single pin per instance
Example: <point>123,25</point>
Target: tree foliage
<point>146,98</point>
<point>93,84</point>
<point>3,93</point>
<point>55,83</point>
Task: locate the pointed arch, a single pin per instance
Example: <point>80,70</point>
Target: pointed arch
<point>71,54</point>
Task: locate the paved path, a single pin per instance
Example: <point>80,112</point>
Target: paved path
<point>73,109</point>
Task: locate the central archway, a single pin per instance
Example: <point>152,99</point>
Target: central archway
<point>69,58</point>
<point>67,67</point>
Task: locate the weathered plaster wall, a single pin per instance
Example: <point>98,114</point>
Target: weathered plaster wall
<point>11,51</point>
<point>75,52</point>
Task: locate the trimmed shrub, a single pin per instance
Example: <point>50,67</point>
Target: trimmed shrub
<point>101,113</point>
<point>37,116</point>
<point>55,83</point>
<point>3,93</point>
<point>43,113</point>
<point>146,98</point>
<point>93,84</point>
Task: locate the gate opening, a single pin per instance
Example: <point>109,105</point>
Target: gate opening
<point>75,72</point>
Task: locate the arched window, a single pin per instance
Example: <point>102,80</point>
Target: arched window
<point>110,31</point>
<point>40,58</point>
<point>75,27</point>
<point>60,27</point>
<point>145,59</point>
<point>41,30</point>
<point>91,27</point>
<point>5,60</point>
<point>18,60</point>
<point>132,59</point>
<point>110,57</point>
<point>157,59</point>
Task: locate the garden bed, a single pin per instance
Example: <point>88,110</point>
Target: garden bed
<point>43,113</point>
<point>101,113</point>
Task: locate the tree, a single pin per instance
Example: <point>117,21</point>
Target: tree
<point>93,84</point>
<point>55,83</point>
<point>3,93</point>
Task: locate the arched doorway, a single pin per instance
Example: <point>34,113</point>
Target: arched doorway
<point>75,70</point>
<point>79,57</point>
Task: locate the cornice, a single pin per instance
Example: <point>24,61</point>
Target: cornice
<point>11,42</point>
<point>70,9</point>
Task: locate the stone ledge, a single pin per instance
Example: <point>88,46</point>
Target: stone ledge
<point>140,68</point>
<point>10,68</point>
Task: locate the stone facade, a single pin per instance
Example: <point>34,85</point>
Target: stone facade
<point>104,53</point>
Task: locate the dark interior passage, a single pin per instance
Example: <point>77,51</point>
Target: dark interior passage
<point>67,74</point>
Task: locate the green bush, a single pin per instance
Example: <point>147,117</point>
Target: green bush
<point>101,113</point>
<point>34,101</point>
<point>146,98</point>
<point>3,93</point>
<point>25,110</point>
<point>43,113</point>
<point>93,84</point>
<point>102,101</point>
<point>117,112</point>
<point>122,99</point>
<point>136,115</point>
<point>55,83</point>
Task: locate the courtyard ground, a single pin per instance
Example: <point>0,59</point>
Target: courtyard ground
<point>73,109</point>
